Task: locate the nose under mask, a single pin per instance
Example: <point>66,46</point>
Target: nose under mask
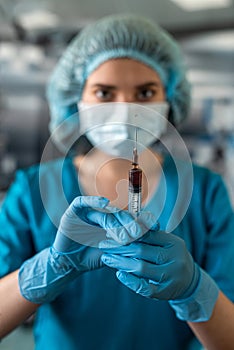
<point>111,126</point>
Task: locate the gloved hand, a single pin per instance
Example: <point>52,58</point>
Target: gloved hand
<point>159,266</point>
<point>86,222</point>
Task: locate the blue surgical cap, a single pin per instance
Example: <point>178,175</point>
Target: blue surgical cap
<point>118,36</point>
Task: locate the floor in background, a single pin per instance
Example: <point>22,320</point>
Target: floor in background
<point>21,338</point>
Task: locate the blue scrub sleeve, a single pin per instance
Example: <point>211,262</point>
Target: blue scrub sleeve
<point>219,258</point>
<point>15,238</point>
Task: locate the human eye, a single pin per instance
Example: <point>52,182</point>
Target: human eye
<point>103,94</point>
<point>146,94</point>
<point>150,92</point>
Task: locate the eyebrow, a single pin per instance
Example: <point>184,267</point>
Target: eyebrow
<point>151,83</point>
<point>104,86</point>
<point>112,87</point>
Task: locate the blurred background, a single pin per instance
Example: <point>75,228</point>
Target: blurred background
<point>33,34</point>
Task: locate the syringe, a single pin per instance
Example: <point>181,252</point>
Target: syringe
<point>135,184</point>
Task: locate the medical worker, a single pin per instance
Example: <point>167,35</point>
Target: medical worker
<point>97,277</point>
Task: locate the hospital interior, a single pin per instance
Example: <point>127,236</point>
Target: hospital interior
<point>33,35</point>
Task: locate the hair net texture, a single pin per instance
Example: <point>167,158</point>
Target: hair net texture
<point>111,37</point>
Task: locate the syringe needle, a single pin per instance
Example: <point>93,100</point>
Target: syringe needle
<point>136,138</point>
<point>135,157</point>
<point>135,153</point>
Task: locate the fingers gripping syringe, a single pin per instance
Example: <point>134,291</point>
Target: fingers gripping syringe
<point>135,184</point>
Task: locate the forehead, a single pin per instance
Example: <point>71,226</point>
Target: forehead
<point>122,70</point>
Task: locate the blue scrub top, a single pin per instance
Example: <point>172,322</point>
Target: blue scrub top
<point>96,311</point>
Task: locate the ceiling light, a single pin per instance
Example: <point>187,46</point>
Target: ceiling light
<point>197,5</point>
<point>38,19</point>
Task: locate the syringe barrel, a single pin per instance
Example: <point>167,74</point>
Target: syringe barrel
<point>135,179</point>
<point>134,190</point>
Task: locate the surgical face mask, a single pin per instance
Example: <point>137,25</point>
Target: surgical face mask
<point>112,126</point>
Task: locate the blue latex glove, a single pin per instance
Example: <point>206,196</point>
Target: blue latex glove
<point>86,222</point>
<point>159,266</point>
